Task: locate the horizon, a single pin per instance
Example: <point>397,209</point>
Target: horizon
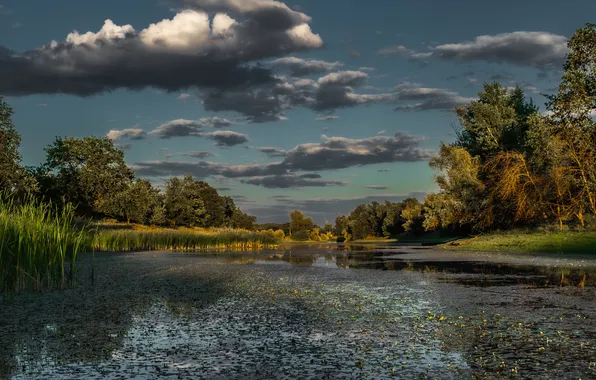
<point>291,110</point>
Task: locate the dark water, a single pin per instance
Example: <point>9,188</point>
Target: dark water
<point>309,312</point>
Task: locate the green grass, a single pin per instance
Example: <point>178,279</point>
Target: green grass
<point>148,240</point>
<point>38,246</point>
<point>532,242</point>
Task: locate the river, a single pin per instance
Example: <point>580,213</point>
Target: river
<point>319,312</point>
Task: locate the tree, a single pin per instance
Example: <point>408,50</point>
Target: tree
<point>341,225</point>
<point>243,220</point>
<point>215,206</point>
<point>572,123</point>
<point>83,170</point>
<point>13,176</point>
<point>137,203</point>
<point>393,222</point>
<point>412,214</point>
<point>183,203</point>
<point>462,191</point>
<point>298,222</point>
<point>328,228</point>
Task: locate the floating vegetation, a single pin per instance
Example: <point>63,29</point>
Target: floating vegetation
<point>38,245</point>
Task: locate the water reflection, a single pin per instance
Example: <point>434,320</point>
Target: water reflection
<point>156,314</point>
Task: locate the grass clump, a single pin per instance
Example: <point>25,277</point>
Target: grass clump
<point>38,245</point>
<point>180,239</point>
<point>539,241</point>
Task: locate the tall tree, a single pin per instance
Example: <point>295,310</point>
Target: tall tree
<point>572,117</point>
<point>183,202</point>
<point>83,170</point>
<point>13,177</point>
<point>299,222</point>
<point>137,203</point>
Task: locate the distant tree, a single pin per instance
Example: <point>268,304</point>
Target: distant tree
<point>393,222</point>
<point>13,176</point>
<point>134,204</point>
<point>341,225</point>
<point>298,222</point>
<point>361,223</point>
<point>215,206</point>
<point>412,214</point>
<point>183,203</point>
<point>328,228</point>
<point>83,170</point>
<point>243,220</point>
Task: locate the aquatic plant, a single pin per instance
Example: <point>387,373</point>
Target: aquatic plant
<point>180,239</point>
<point>38,245</point>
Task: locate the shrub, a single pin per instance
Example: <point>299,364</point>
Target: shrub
<point>301,235</point>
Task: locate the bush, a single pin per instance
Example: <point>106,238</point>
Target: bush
<point>340,239</point>
<point>301,235</point>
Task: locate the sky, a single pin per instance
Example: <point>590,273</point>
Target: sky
<point>310,105</point>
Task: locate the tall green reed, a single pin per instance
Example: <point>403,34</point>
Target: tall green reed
<point>39,245</point>
<point>130,240</point>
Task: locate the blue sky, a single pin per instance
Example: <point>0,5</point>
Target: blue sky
<point>369,69</point>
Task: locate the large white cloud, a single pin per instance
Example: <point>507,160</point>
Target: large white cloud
<point>188,50</point>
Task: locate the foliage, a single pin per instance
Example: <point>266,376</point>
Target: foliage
<point>13,177</point>
<point>137,203</point>
<point>299,223</point>
<point>80,171</point>
<point>183,202</point>
<point>300,235</point>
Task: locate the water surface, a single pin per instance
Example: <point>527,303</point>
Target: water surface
<point>309,312</point>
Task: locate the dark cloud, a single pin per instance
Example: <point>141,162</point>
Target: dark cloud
<point>302,67</point>
<point>311,175</point>
<point>428,98</point>
<point>198,154</point>
<point>328,93</point>
<point>224,189</point>
<point>291,181</point>
<point>326,117</point>
<point>190,50</point>
<point>335,90</point>
<point>542,50</point>
<point>332,153</point>
<point>183,127</point>
<point>384,170</point>
<point>535,49</point>
<point>377,187</point>
<point>226,138</point>
<point>272,151</point>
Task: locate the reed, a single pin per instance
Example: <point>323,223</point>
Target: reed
<point>39,245</point>
<point>180,239</point>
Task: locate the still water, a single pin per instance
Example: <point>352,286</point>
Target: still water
<point>308,312</point>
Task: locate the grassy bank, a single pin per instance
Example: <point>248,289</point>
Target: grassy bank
<point>179,239</point>
<point>38,246</point>
<point>530,241</point>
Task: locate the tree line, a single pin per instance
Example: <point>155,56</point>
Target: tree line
<point>510,165</point>
<point>91,174</point>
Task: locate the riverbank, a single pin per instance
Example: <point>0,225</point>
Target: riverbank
<point>567,242</point>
